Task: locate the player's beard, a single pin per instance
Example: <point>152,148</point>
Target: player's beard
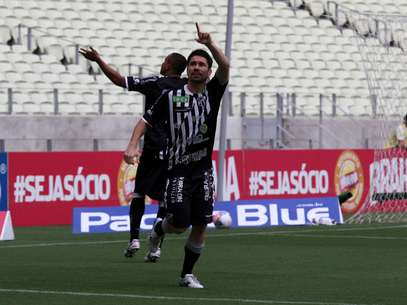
<point>197,81</point>
<point>198,78</point>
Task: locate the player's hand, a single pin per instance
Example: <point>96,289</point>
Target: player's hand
<point>204,38</point>
<point>131,155</point>
<point>90,53</point>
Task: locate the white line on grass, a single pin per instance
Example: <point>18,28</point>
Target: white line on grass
<point>232,234</point>
<point>174,298</point>
<point>349,236</point>
<point>70,243</point>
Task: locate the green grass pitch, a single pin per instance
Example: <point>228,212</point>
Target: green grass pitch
<point>358,265</point>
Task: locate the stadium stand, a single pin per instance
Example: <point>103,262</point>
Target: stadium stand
<point>279,46</point>
<point>287,47</point>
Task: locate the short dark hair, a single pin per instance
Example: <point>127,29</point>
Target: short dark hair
<point>202,53</point>
<point>405,119</point>
<point>178,62</point>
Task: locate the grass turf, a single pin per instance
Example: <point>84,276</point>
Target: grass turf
<point>361,265</point>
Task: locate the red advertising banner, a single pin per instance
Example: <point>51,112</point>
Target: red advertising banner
<point>44,187</point>
<point>388,182</point>
<point>253,174</point>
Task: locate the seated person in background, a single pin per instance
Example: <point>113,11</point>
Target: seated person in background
<point>398,138</point>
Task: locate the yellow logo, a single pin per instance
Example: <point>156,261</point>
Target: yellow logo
<point>126,182</point>
<point>349,177</point>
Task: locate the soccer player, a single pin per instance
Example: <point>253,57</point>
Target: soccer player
<point>398,138</point>
<point>151,171</point>
<point>190,116</point>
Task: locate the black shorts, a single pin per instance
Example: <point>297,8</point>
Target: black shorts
<point>151,176</point>
<point>189,199</point>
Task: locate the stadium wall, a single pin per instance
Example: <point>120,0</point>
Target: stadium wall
<point>112,132</point>
<point>107,132</point>
<point>336,132</point>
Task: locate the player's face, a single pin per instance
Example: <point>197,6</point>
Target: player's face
<point>198,70</point>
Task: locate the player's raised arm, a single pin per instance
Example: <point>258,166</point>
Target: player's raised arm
<point>92,55</point>
<point>222,73</point>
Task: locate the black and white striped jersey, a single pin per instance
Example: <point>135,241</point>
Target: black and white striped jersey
<point>152,87</point>
<point>190,121</point>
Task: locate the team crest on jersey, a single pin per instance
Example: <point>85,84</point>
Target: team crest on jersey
<point>203,128</point>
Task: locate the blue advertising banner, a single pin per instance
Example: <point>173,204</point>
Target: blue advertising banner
<point>109,219</point>
<point>3,182</point>
<point>244,213</point>
<point>283,212</point>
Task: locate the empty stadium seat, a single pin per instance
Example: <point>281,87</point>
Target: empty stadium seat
<point>268,38</point>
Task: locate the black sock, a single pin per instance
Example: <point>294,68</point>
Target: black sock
<point>162,211</point>
<point>158,228</point>
<point>190,259</point>
<point>137,207</point>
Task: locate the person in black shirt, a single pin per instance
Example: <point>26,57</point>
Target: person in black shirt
<point>189,115</point>
<point>151,170</point>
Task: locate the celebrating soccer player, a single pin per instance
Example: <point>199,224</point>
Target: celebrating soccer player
<point>190,116</point>
<point>151,170</point>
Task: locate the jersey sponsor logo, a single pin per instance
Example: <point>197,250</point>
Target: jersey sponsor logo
<point>193,157</point>
<point>180,99</point>
<point>181,103</point>
<point>197,139</point>
<point>208,186</point>
<point>349,177</point>
<point>175,190</point>
<point>145,80</point>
